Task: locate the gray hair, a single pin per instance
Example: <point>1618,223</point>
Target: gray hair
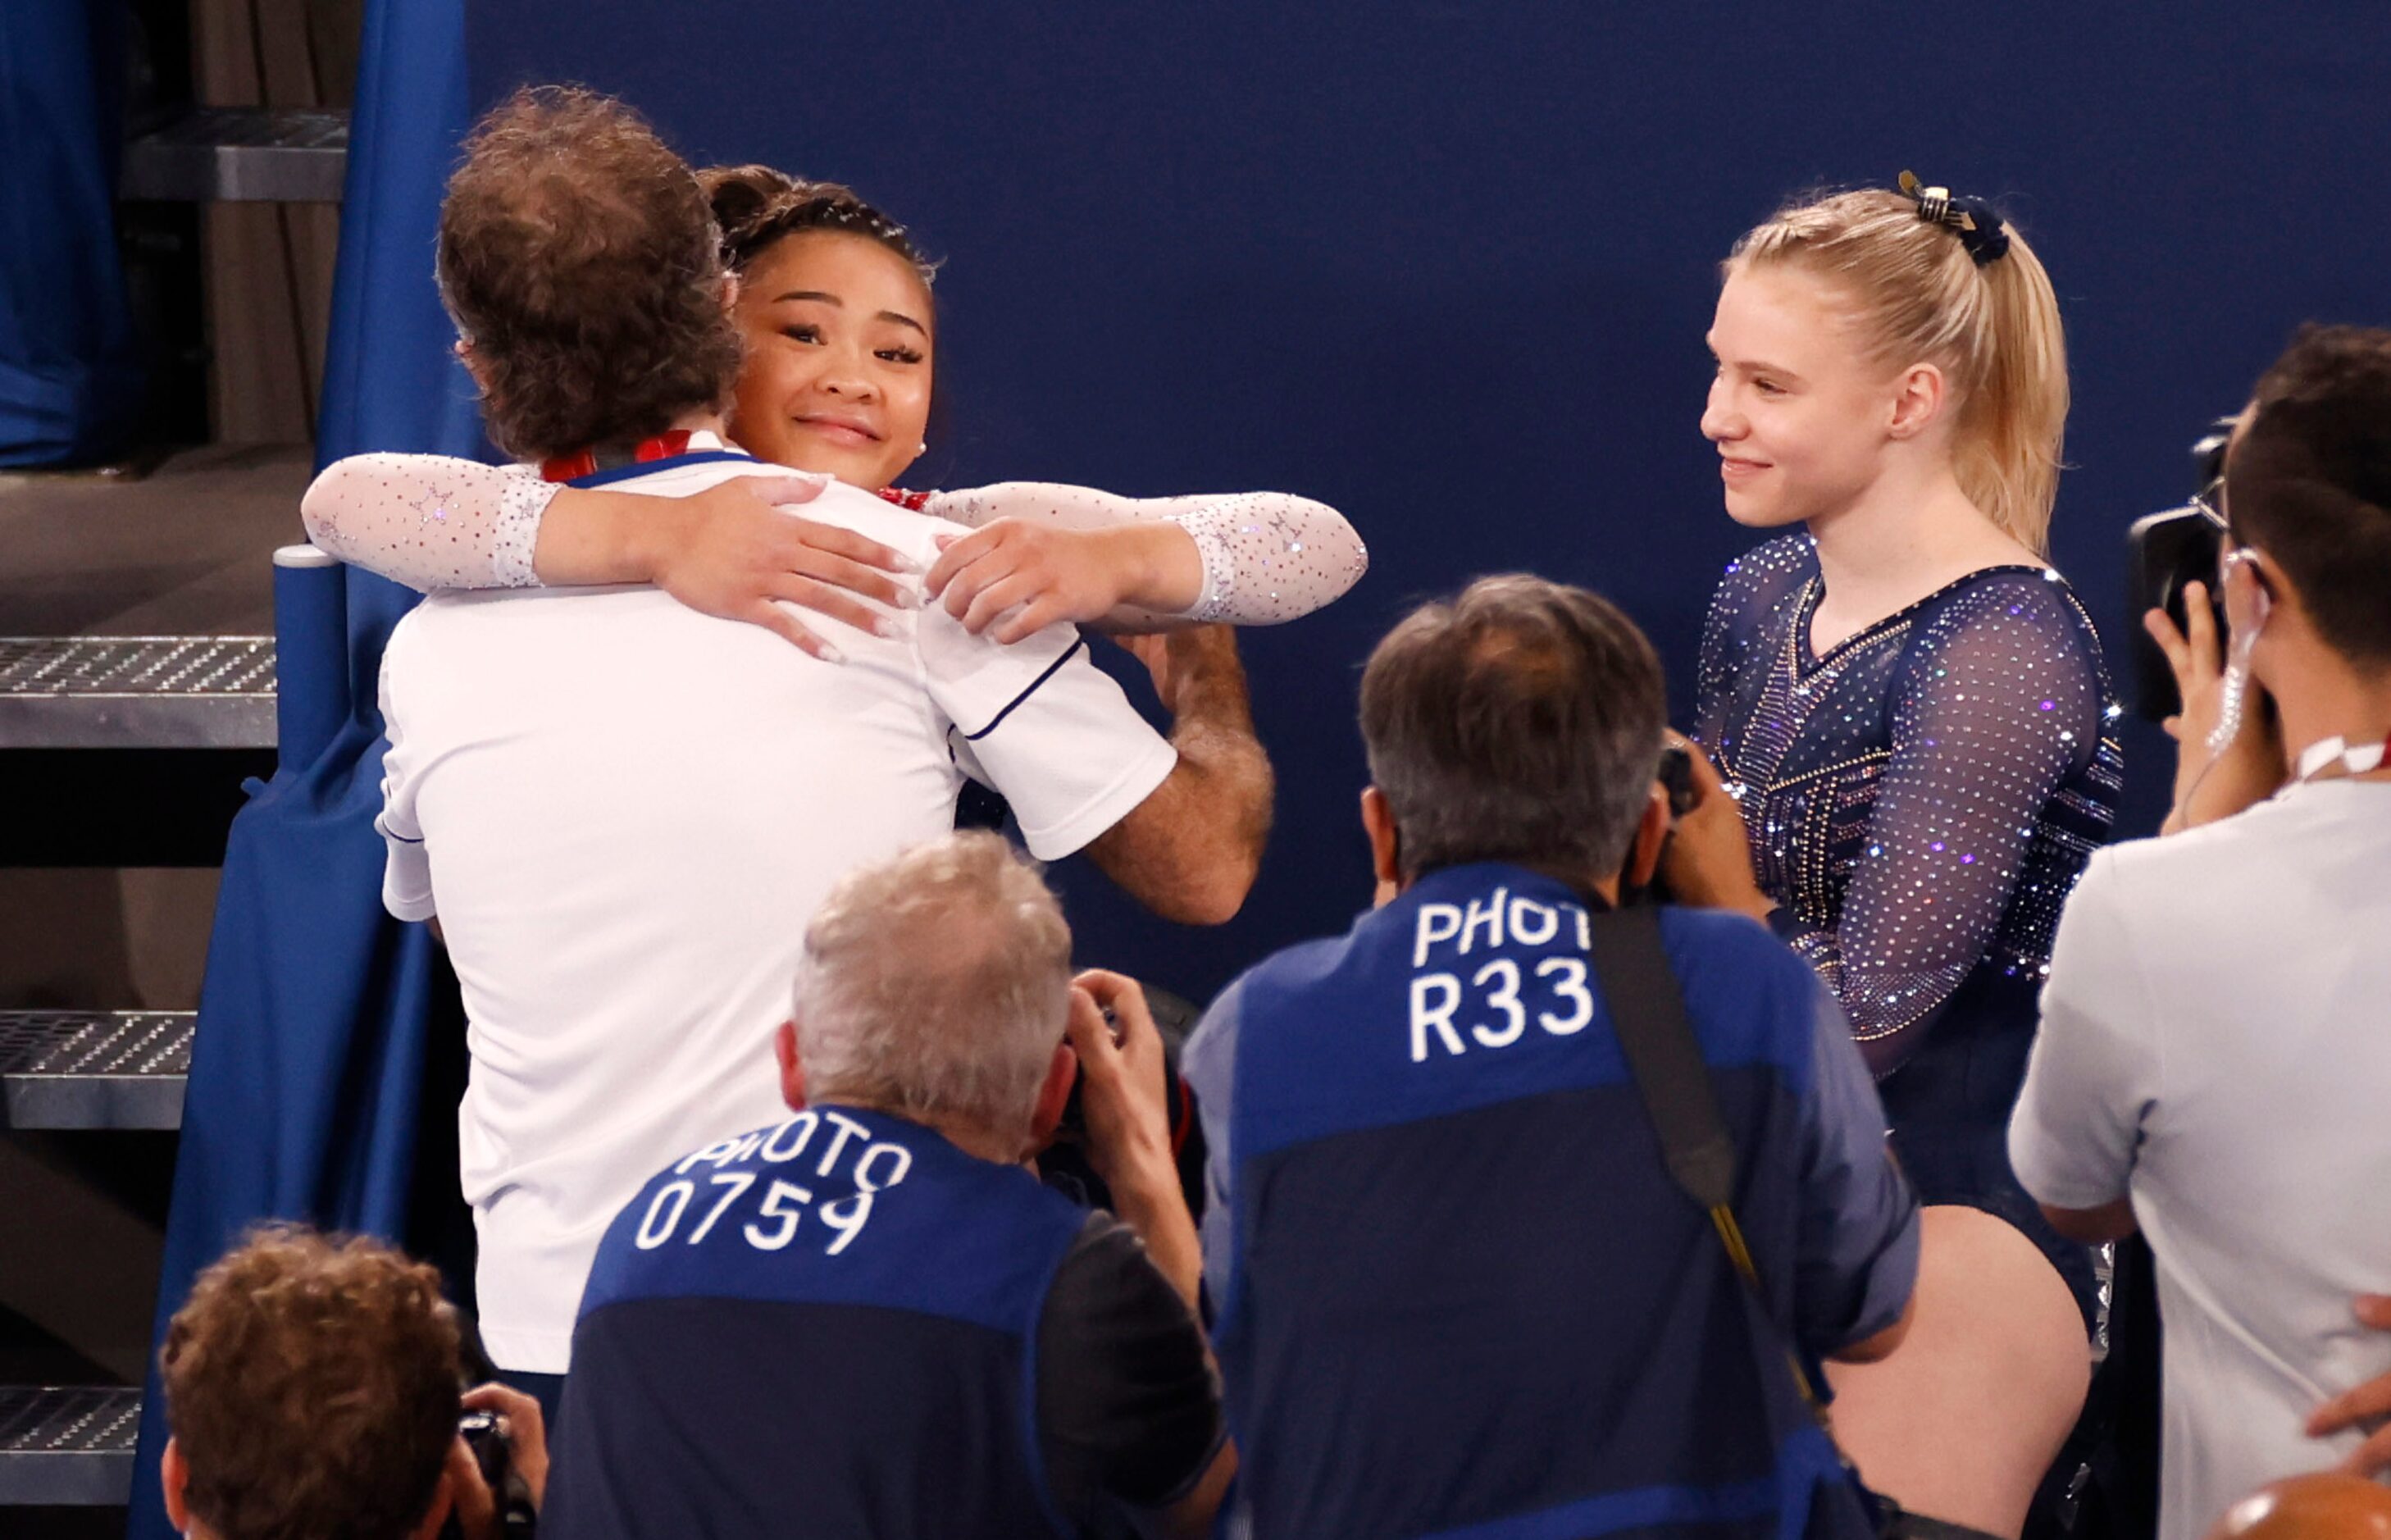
<point>1521,721</point>
<point>936,985</point>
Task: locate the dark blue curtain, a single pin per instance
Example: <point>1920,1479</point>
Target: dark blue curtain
<point>70,373</point>
<point>311,1060</point>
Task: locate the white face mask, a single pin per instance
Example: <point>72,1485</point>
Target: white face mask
<point>2233,693</point>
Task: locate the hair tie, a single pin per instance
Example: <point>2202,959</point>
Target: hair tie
<point>1981,232</point>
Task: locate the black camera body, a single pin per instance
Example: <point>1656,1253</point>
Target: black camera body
<point>1676,777</point>
<point>2164,551</point>
<point>486,1438</point>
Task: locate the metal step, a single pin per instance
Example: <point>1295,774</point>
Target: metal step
<point>153,692</point>
<point>252,154</point>
<point>94,1068</point>
<point>62,1446</point>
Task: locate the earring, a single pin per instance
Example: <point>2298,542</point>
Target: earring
<point>923,448</point>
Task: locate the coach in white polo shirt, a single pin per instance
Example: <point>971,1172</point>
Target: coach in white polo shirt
<point>622,811</point>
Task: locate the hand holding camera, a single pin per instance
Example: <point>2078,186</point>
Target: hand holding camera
<point>497,1467</point>
<point>1123,1085</point>
<point>1707,862</point>
<point>1124,1091</point>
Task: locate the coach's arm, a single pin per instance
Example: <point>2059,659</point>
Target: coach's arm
<point>1191,850</point>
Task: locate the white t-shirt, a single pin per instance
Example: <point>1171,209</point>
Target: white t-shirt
<point>2215,1043</point>
<point>624,814</point>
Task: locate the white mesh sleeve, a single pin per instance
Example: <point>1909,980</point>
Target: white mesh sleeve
<point>1268,556</point>
<point>428,521</point>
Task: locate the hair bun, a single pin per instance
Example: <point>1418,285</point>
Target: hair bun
<point>1981,231</point>
<point>741,196</point>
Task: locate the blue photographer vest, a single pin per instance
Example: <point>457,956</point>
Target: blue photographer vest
<point>822,1329</point>
<point>1466,1298</point>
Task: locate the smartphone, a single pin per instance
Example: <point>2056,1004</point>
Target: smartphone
<point>2164,551</point>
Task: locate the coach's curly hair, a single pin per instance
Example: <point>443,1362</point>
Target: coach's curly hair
<point>312,1388</point>
<point>581,263</point>
<point>756,206</point>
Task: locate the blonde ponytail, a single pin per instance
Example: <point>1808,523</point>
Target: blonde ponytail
<point>1993,328</point>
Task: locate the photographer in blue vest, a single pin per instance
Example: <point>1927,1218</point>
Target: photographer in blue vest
<point>1455,1288</point>
<point>871,1319</point>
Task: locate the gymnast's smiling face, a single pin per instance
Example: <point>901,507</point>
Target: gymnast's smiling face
<point>837,374</point>
<point>1802,417</point>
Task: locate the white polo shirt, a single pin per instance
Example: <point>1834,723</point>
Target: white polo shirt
<point>2215,1043</point>
<point>624,814</point>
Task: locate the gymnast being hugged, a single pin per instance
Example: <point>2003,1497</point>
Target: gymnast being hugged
<point>1911,723</point>
<point>833,303</point>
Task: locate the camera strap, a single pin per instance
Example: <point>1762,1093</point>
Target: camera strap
<point>1648,1012</point>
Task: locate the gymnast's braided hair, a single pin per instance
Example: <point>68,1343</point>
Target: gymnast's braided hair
<point>756,206</point>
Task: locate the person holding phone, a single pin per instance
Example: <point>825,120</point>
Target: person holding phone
<point>2215,1052</point>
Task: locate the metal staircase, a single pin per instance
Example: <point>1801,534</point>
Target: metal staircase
<point>136,693</point>
<point>89,1073</point>
<point>66,1446</point>
<point>94,1069</point>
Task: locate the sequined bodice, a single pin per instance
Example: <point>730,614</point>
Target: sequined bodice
<point>1920,797</point>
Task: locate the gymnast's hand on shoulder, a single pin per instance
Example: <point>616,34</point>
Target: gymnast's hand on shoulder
<point>737,547</point>
<point>1019,577</point>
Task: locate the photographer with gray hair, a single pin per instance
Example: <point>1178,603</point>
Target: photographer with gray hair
<point>871,1319</point>
<point>1457,1290</point>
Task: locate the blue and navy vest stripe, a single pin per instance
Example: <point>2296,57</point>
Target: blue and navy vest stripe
<point>1466,1298</point>
<point>828,1327</point>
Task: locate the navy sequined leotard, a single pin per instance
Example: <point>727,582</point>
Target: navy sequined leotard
<point>1920,801</point>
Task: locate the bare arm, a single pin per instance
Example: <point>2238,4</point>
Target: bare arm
<point>1190,852</point>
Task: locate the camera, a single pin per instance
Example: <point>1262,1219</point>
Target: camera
<point>2164,551</point>
<point>486,1438</point>
<point>1676,777</point>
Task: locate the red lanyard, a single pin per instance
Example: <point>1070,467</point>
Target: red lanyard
<point>584,462</point>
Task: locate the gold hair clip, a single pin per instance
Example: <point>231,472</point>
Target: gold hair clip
<point>1934,204</point>
<point>1981,231</point>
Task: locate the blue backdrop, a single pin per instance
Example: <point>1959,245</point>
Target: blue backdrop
<point>1447,264</point>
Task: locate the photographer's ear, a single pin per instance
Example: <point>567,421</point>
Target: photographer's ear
<point>1055,1093</point>
<point>1386,843</point>
<point>792,1068</point>
<point>1651,833</point>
